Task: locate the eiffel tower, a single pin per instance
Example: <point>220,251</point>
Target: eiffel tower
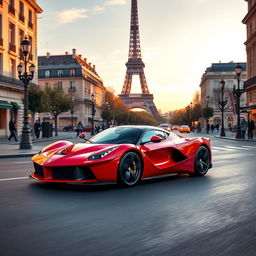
<point>135,66</point>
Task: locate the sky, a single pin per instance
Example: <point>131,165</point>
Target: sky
<point>179,40</point>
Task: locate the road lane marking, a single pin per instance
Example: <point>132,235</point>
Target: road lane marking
<point>17,178</point>
<point>25,162</point>
<point>222,148</point>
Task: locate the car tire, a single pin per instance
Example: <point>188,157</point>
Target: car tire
<point>202,161</point>
<point>129,169</point>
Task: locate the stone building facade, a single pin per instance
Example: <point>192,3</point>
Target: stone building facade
<point>250,84</point>
<point>210,86</point>
<point>79,79</point>
<point>17,19</point>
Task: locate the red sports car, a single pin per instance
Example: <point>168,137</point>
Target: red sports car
<point>124,155</point>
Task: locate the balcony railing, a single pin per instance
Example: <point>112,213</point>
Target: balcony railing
<point>30,24</point>
<point>1,41</point>
<point>21,17</point>
<point>12,47</point>
<point>11,10</point>
<point>250,82</point>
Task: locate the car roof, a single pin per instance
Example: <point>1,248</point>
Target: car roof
<point>142,127</point>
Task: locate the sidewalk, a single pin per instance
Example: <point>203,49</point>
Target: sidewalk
<point>229,135</point>
<point>11,149</point>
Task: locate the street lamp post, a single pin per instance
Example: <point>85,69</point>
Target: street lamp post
<point>26,142</point>
<point>207,119</point>
<point>222,103</point>
<point>190,115</point>
<point>72,114</point>
<point>93,113</point>
<point>237,94</point>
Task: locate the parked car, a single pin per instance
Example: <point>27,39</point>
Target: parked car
<point>67,128</point>
<point>166,127</point>
<point>184,128</point>
<point>87,128</point>
<point>175,127</point>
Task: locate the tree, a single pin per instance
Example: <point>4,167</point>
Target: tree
<point>56,102</point>
<point>207,113</point>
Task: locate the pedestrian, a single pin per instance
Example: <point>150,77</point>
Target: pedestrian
<point>212,127</point>
<point>13,130</point>
<point>217,127</point>
<point>243,126</point>
<point>79,128</point>
<point>37,127</point>
<point>103,127</point>
<point>208,128</point>
<point>251,127</point>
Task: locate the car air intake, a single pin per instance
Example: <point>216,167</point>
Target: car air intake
<point>39,170</point>
<point>72,173</point>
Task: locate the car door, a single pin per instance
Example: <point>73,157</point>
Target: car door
<point>159,153</point>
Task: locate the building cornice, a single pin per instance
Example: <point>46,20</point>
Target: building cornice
<point>35,6</point>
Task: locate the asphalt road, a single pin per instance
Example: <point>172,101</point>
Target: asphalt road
<point>210,215</point>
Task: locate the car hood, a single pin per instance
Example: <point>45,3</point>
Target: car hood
<point>72,154</point>
<point>84,148</point>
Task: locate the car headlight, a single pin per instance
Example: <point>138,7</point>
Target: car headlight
<point>101,154</point>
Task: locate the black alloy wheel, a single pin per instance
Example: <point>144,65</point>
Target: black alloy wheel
<point>130,169</point>
<point>202,161</point>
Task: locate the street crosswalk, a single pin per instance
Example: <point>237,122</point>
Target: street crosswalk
<point>233,148</point>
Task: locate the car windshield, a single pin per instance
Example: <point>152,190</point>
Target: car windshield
<point>118,135</point>
<point>164,125</point>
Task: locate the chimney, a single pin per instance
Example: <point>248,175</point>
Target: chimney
<point>90,64</point>
<point>73,53</point>
<point>85,60</point>
<point>80,56</point>
<point>94,67</point>
<point>66,53</point>
<point>48,55</point>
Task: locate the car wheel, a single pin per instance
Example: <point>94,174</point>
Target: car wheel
<point>129,169</point>
<point>202,161</point>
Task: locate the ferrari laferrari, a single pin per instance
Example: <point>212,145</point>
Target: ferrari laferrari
<point>123,155</point>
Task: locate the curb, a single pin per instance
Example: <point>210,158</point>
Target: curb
<point>228,138</point>
<point>17,155</point>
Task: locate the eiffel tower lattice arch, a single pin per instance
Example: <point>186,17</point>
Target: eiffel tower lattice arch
<point>135,66</point>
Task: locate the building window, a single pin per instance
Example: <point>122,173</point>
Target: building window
<point>12,46</point>
<point>21,37</point>
<point>47,73</point>
<point>1,63</point>
<point>72,72</point>
<point>60,73</point>
<point>21,12</point>
<point>59,84</point>
<point>1,30</point>
<point>72,86</point>
<point>30,19</point>
<point>13,68</point>
<point>11,8</point>
<point>31,41</point>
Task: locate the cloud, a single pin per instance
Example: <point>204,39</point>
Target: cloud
<point>114,2</point>
<point>98,9</point>
<point>69,16</point>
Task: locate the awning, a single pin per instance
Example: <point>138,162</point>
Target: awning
<point>5,104</point>
<point>15,105</point>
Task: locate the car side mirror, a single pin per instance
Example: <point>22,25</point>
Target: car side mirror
<point>155,139</point>
<point>82,136</point>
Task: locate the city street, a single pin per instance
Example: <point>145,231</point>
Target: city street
<point>180,215</point>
